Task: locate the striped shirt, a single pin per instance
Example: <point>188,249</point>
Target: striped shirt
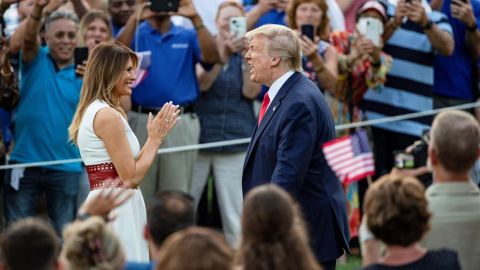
<point>408,88</point>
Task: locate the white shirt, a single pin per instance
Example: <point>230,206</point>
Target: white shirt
<point>207,9</point>
<point>276,85</point>
<point>335,14</point>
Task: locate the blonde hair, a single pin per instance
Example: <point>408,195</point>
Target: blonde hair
<point>105,66</point>
<point>91,244</point>
<point>283,42</point>
<point>88,18</point>
<point>230,3</point>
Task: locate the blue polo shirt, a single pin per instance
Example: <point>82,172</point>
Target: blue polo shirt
<point>48,100</point>
<point>171,75</point>
<point>271,17</point>
<point>453,74</point>
<point>115,29</point>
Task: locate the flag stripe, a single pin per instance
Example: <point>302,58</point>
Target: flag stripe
<point>350,157</point>
<point>358,160</point>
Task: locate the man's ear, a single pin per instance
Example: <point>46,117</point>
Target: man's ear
<point>146,233</point>
<point>275,61</point>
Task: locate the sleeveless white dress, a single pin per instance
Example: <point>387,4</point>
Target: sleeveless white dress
<point>131,216</point>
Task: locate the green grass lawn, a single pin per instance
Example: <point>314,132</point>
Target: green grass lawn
<point>352,262</point>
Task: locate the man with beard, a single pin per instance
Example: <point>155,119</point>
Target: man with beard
<point>170,77</point>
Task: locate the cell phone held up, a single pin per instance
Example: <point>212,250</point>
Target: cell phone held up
<point>370,28</point>
<point>307,30</point>
<point>80,55</point>
<point>162,6</point>
<point>238,27</point>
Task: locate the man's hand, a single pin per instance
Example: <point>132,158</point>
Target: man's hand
<point>42,3</point>
<point>186,9</point>
<point>143,12</point>
<point>233,44</point>
<point>401,11</point>
<point>106,200</point>
<point>282,4</point>
<point>309,48</point>
<point>416,13</point>
<point>463,11</point>
<point>266,5</point>
<point>53,5</point>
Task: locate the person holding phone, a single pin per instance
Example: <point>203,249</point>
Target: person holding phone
<point>455,81</point>
<point>362,64</point>
<point>48,98</point>
<point>171,77</point>
<point>225,110</point>
<point>319,59</point>
<point>94,29</point>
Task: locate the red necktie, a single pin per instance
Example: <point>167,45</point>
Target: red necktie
<point>263,109</point>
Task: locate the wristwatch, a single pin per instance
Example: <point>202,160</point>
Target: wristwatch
<point>428,25</point>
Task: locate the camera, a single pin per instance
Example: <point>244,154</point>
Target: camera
<point>415,156</point>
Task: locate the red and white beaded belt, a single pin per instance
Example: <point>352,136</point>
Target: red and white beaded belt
<point>98,175</point>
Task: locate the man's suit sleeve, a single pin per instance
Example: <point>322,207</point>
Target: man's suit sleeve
<point>296,144</point>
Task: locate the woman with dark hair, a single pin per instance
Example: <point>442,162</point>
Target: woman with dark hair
<point>274,235</point>
<point>108,146</point>
<point>397,214</point>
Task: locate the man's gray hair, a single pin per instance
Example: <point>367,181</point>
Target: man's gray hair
<point>455,140</point>
<point>282,42</point>
<point>57,15</point>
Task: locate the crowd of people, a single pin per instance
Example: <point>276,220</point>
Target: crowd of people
<point>185,77</point>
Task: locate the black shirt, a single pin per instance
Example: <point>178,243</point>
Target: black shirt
<point>433,259</point>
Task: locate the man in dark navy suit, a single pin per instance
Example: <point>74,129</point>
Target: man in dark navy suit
<point>286,147</point>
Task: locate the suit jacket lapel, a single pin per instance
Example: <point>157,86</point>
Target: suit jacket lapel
<point>272,109</point>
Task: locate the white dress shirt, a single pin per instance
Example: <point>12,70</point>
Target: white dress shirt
<point>276,85</point>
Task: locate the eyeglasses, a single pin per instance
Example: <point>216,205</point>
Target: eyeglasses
<point>119,4</point>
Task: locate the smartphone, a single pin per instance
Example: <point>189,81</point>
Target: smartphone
<point>370,28</point>
<point>404,160</point>
<point>238,27</point>
<point>80,54</point>
<point>164,5</point>
<point>307,30</point>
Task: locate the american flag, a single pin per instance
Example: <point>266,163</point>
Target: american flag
<point>350,157</point>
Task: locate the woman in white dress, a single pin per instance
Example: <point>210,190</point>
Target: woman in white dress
<point>108,146</point>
